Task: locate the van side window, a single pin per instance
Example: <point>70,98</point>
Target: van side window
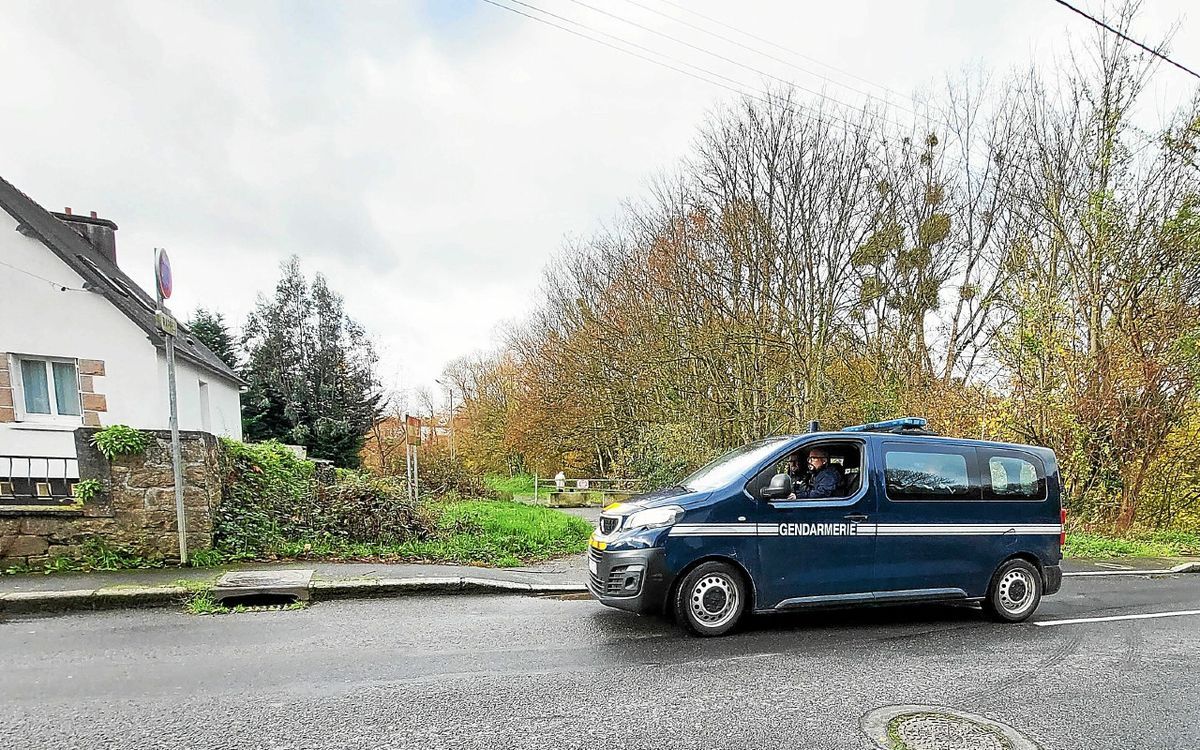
<point>927,476</point>
<point>1013,478</point>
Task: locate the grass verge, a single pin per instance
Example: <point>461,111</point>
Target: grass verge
<point>476,532</point>
<point>1137,544</point>
<point>521,484</point>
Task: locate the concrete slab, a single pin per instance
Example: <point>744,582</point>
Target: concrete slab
<point>293,583</point>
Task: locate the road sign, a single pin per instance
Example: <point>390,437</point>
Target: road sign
<point>166,323</point>
<point>162,273</point>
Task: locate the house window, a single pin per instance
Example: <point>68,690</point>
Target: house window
<point>49,388</point>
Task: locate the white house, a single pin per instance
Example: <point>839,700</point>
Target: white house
<point>79,345</point>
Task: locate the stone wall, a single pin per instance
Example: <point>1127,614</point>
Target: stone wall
<point>135,510</point>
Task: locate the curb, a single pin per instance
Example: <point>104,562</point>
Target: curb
<point>366,588</point>
<point>1188,567</point>
<point>81,600</point>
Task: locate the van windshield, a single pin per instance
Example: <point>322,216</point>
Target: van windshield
<point>732,465</point>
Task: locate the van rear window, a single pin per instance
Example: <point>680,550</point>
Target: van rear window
<point>926,476</point>
<point>1013,478</point>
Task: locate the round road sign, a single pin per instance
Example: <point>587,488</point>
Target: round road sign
<point>162,273</point>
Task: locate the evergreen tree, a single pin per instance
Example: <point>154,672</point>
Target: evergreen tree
<point>212,331</point>
<point>310,371</point>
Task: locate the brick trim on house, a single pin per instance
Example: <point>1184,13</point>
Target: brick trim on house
<point>7,412</point>
<point>93,403</point>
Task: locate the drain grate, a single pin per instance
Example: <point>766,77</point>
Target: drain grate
<point>937,728</point>
<point>262,587</point>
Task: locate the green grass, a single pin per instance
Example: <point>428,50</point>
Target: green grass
<point>521,484</point>
<point>202,603</point>
<point>1137,544</point>
<point>475,532</point>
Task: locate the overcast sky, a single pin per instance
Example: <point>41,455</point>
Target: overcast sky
<point>429,156</point>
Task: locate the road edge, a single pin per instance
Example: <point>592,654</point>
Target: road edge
<point>120,597</point>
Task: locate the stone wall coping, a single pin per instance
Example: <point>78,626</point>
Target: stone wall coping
<point>45,510</point>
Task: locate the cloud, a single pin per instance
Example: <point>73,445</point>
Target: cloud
<point>428,157</point>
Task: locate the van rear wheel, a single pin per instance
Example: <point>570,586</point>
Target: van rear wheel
<point>710,599</point>
<point>1014,593</point>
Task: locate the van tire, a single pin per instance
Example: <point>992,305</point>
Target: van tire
<point>711,599</point>
<point>1014,593</point>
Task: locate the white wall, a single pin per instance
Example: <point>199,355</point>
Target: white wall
<point>37,318</point>
<point>224,403</point>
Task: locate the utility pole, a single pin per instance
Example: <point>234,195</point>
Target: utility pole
<point>450,391</point>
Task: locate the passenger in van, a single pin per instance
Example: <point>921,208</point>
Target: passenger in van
<point>795,467</point>
<point>824,479</point>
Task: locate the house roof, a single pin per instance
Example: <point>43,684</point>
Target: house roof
<point>105,277</point>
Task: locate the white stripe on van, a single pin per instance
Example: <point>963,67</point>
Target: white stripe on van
<point>867,529</point>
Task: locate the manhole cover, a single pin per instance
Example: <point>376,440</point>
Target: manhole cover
<point>937,728</point>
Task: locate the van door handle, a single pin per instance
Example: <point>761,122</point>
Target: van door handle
<point>856,517</point>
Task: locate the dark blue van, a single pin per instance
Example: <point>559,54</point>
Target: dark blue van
<point>907,517</point>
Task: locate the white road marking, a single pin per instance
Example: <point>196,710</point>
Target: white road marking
<point>1152,572</point>
<point>1146,616</point>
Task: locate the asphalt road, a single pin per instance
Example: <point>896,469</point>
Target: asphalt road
<point>514,672</point>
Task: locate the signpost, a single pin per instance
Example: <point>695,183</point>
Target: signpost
<point>412,438</point>
<point>163,286</point>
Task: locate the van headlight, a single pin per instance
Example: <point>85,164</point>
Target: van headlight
<point>654,518</point>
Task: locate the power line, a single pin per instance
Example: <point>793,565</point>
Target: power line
<point>709,52</point>
<point>55,284</point>
<point>755,37</point>
<point>610,45</point>
<point>767,55</point>
<point>1134,42</point>
<point>738,87</point>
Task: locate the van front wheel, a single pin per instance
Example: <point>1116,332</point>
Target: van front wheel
<point>711,599</point>
<point>1014,593</point>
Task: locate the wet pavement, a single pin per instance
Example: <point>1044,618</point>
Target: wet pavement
<point>526,672</point>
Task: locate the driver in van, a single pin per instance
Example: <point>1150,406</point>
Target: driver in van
<point>823,477</point>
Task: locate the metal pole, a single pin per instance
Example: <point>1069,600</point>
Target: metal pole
<point>176,452</point>
<point>452,454</point>
<point>408,468</point>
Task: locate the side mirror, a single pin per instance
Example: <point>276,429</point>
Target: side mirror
<point>779,488</point>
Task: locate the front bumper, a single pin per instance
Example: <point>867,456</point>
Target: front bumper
<point>1053,580</point>
<point>635,580</point>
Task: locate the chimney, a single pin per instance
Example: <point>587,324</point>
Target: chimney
<point>101,234</point>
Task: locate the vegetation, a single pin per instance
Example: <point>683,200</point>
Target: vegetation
<point>274,505</point>
<point>98,554</point>
<point>489,533</point>
<point>1145,544</point>
<point>86,489</point>
<point>518,484</point>
<point>212,331</point>
<point>119,440</point>
<point>310,369</point>
<point>1020,263</point>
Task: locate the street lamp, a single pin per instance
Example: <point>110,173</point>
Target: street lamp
<point>450,391</point>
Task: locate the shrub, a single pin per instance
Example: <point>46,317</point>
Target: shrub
<point>267,497</point>
<point>120,440</point>
<point>663,454</point>
<point>272,498</point>
<point>364,508</point>
<point>86,489</point>
<point>439,475</point>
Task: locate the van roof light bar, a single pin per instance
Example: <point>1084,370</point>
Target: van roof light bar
<point>891,425</point>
